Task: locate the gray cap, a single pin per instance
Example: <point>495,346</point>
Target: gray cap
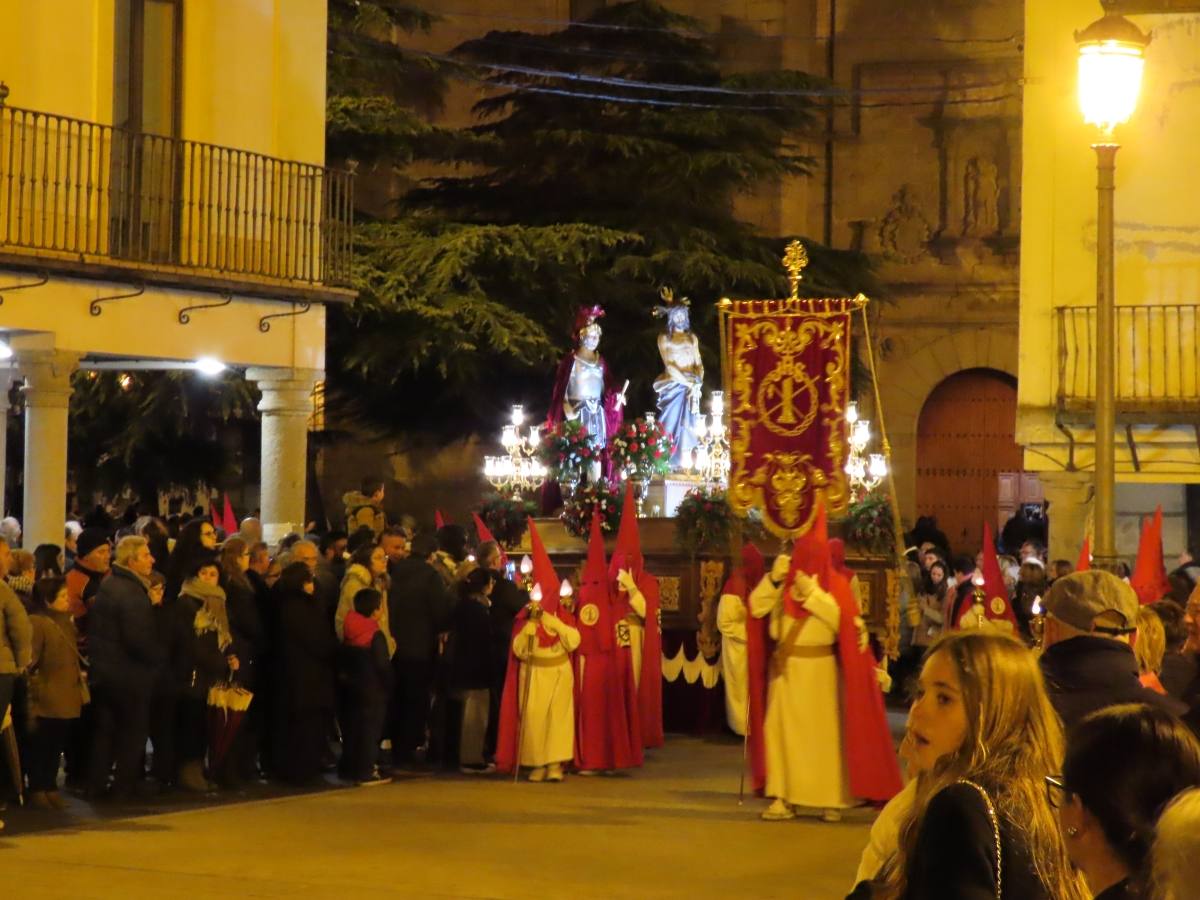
<point>1081,596</point>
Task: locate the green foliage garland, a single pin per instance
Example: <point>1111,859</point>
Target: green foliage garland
<point>506,518</point>
<point>869,525</point>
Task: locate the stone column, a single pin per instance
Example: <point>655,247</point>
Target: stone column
<point>5,384</point>
<point>1070,496</point>
<point>47,391</point>
<point>285,406</point>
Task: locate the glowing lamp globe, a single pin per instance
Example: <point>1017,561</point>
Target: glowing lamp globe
<point>1112,54</point>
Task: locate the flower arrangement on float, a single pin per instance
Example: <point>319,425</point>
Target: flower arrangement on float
<point>704,522</point>
<point>588,499</point>
<point>641,449</point>
<point>507,518</point>
<point>565,452</point>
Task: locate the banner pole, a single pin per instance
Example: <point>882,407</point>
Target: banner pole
<point>893,497</point>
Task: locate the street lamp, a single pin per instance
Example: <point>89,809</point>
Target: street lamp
<point>1111,58</point>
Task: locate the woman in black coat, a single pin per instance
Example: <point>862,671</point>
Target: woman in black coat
<point>304,656</point>
<point>197,540</point>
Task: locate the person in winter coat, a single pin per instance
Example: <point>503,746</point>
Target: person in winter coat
<point>367,674</point>
<point>16,634</point>
<point>365,508</point>
<point>21,576</point>
<point>367,569</point>
<point>419,609</point>
<point>209,653</point>
<point>305,653</point>
<point>84,575</point>
<point>124,655</point>
<point>55,689</point>
<point>470,675</point>
<point>249,641</point>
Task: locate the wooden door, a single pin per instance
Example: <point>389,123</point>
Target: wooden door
<point>965,440</point>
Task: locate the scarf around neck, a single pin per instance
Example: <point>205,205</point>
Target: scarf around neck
<point>209,594</point>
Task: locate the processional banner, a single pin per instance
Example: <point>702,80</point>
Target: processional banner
<point>787,371</point>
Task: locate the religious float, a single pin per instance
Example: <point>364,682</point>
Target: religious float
<point>780,437</point>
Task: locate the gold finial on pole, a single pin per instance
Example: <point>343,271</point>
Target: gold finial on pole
<point>795,258</point>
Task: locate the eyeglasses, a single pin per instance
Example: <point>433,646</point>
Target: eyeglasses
<point>208,534</point>
<point>1057,792</point>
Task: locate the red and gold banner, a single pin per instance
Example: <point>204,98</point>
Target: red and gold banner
<point>787,370</point>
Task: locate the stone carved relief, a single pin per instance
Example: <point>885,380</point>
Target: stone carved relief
<point>981,198</point>
<point>905,232</point>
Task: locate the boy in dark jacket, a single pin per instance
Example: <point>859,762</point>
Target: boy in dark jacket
<point>367,673</point>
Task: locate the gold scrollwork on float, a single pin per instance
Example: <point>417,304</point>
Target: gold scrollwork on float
<point>668,593</point>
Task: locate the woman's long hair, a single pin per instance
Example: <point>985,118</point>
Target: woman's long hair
<point>1125,764</point>
<point>230,563</point>
<point>1013,741</point>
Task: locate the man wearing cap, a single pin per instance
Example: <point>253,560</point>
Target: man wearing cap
<point>92,556</point>
<point>1088,660</point>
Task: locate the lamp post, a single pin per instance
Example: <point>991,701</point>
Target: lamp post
<point>1111,57</point>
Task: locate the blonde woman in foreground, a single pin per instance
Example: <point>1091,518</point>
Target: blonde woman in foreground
<point>982,737</point>
<point>1175,859</point>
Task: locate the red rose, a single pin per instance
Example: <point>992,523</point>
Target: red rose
<point>633,448</point>
<point>585,452</point>
<point>657,454</point>
<point>708,507</point>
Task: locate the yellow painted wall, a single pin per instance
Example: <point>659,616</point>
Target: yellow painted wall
<point>1157,217</point>
<point>253,70</point>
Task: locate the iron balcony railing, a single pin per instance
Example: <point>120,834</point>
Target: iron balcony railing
<point>1157,357</point>
<point>93,191</point>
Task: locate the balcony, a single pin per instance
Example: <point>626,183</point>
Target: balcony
<point>1158,364</point>
<point>91,200</point>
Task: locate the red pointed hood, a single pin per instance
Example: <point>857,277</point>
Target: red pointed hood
<point>543,571</point>
<point>753,565</point>
<point>628,552</point>
<point>1149,580</point>
<point>595,571</point>
<point>485,534</point>
<point>228,519</point>
<point>810,554</point>
<point>1085,556</point>
<point>837,558</point>
<point>439,521</point>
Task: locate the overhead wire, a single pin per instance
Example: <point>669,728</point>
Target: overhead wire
<point>677,88</point>
<point>604,26</point>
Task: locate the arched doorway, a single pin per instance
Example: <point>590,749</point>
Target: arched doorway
<point>966,447</point>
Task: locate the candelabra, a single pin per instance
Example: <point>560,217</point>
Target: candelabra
<point>710,459</point>
<point>1037,622</point>
<point>865,470</point>
<point>519,470</point>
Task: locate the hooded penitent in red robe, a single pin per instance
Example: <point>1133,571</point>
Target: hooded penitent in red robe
<point>1149,580</point>
<point>871,763</point>
<point>996,605</point>
<point>607,718</point>
<point>544,577</point>
<point>1085,556</point>
<point>628,555</point>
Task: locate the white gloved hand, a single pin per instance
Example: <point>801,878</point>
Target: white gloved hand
<point>804,586</point>
<point>884,679</point>
<point>864,637</point>
<point>779,568</point>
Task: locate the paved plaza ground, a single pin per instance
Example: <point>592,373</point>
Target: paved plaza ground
<point>672,829</point>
